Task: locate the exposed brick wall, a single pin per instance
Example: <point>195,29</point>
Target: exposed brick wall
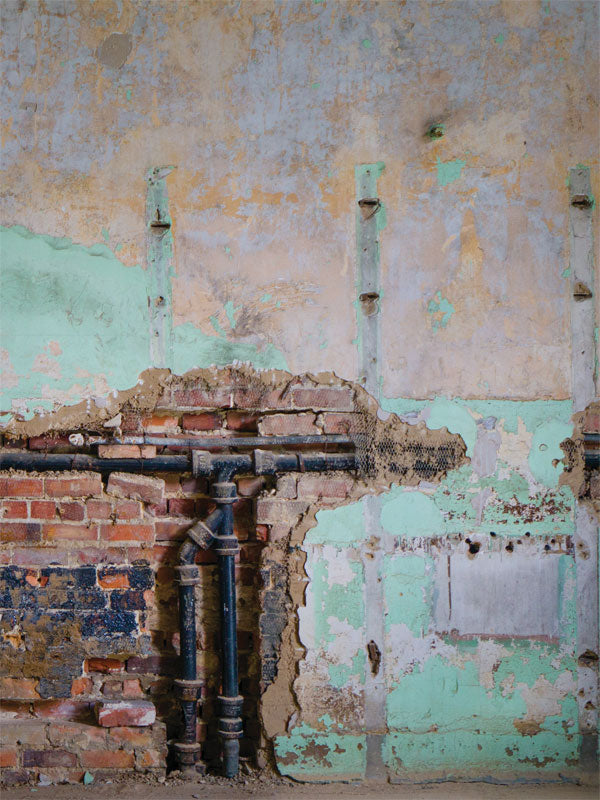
<point>88,601</point>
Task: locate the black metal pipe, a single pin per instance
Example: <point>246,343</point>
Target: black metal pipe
<point>76,461</point>
<point>188,686</point>
<point>230,702</point>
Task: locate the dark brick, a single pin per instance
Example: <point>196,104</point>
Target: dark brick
<point>272,624</point>
<point>12,777</point>
<point>274,602</point>
<point>270,646</point>
<point>141,578</point>
<point>127,600</point>
<point>20,532</point>
<point>63,577</point>
<point>153,665</point>
<point>49,758</point>
<point>107,623</point>
<point>268,670</point>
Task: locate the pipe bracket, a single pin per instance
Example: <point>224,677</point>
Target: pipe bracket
<point>188,574</point>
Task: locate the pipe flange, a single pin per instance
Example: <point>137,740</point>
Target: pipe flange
<point>187,690</point>
<point>187,575</point>
<point>226,546</point>
<point>230,706</point>
<point>264,462</point>
<point>202,462</point>
<point>201,535</point>
<point>225,492</point>
<point>187,752</point>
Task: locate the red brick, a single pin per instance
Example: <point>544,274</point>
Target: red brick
<point>20,531</point>
<point>197,397</point>
<point>49,758</point>
<point>81,686</point>
<point>131,736</point>
<point>72,533</point>
<point>113,580</point>
<point>262,533</point>
<point>21,486</point>
<point>18,689</point>
<point>194,486</point>
<point>338,423</point>
<point>136,487</point>
<point>13,509</point>
<point>288,425</point>
<point>14,777</point>
<point>201,422</point>
<point>250,486</point>
<point>595,487</point>
<point>8,757</point>
<point>112,689</point>
<point>169,530</point>
<point>127,533</point>
<point>38,556</point>
<point>150,759</point>
<point>316,486</point>
<point>153,665</point>
<point>242,421</point>
<point>130,713</point>
<point>107,759</point>
<point>73,710</point>
<point>128,509</point>
<point>157,509</point>
<point>132,688</point>
<point>104,665</point>
<point>70,734</point>
<point>160,424</point>
<point>73,485</point>
<point>99,509</point>
<point>182,506</point>
<point>48,442</point>
<point>74,512</point>
<point>100,555</point>
<point>323,397</point>
<point>43,509</point>
<point>122,451</point>
<point>591,421</point>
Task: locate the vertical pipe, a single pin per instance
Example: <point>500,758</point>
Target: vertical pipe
<point>188,686</point>
<point>230,702</point>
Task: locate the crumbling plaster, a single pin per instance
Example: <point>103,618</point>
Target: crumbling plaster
<point>262,111</point>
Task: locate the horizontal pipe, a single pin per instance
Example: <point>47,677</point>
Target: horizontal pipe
<point>76,461</point>
<point>208,442</point>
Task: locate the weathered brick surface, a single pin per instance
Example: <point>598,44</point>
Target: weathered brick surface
<point>73,484</point>
<point>13,509</point>
<point>130,713</point>
<point>136,487</point>
<point>274,510</point>
<point>107,759</point>
<point>201,422</point>
<point>288,425</point>
<point>315,486</point>
<point>49,758</point>
<point>21,486</point>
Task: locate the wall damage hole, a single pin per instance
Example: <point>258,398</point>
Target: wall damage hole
<point>582,201</point>
<point>369,303</point>
<point>374,655</point>
<point>369,206</point>
<point>474,547</point>
<point>509,547</point>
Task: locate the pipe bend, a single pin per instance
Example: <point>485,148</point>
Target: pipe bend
<point>200,536</point>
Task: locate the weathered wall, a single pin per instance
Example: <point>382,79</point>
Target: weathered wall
<point>182,191</point>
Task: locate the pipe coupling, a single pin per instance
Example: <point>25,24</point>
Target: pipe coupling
<point>201,535</point>
<point>188,575</point>
<point>187,752</point>
<point>187,690</point>
<point>230,728</point>
<point>202,462</point>
<point>226,546</point>
<point>264,462</point>
<point>224,492</point>
<point>230,706</point>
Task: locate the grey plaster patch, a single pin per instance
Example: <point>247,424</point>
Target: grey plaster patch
<point>115,49</point>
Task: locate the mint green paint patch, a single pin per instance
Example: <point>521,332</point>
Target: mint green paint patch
<point>472,754</point>
<point>499,39</point>
<point>456,418</point>
<point>443,310</point>
<point>192,348</point>
<point>407,582</point>
<point>128,94</point>
<point>340,601</point>
<point>266,297</point>
<point>214,321</point>
<point>367,44</point>
<point>230,312</point>
<point>315,85</point>
<point>160,266</point>
<point>118,248</point>
<point>84,301</point>
<point>566,272</point>
<point>410,513</point>
<point>340,527</point>
<point>449,171</point>
<point>278,304</point>
<point>105,234</point>
<point>545,449</point>
<point>339,675</point>
<point>310,755</point>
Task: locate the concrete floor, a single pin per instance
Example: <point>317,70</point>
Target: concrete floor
<point>280,790</point>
